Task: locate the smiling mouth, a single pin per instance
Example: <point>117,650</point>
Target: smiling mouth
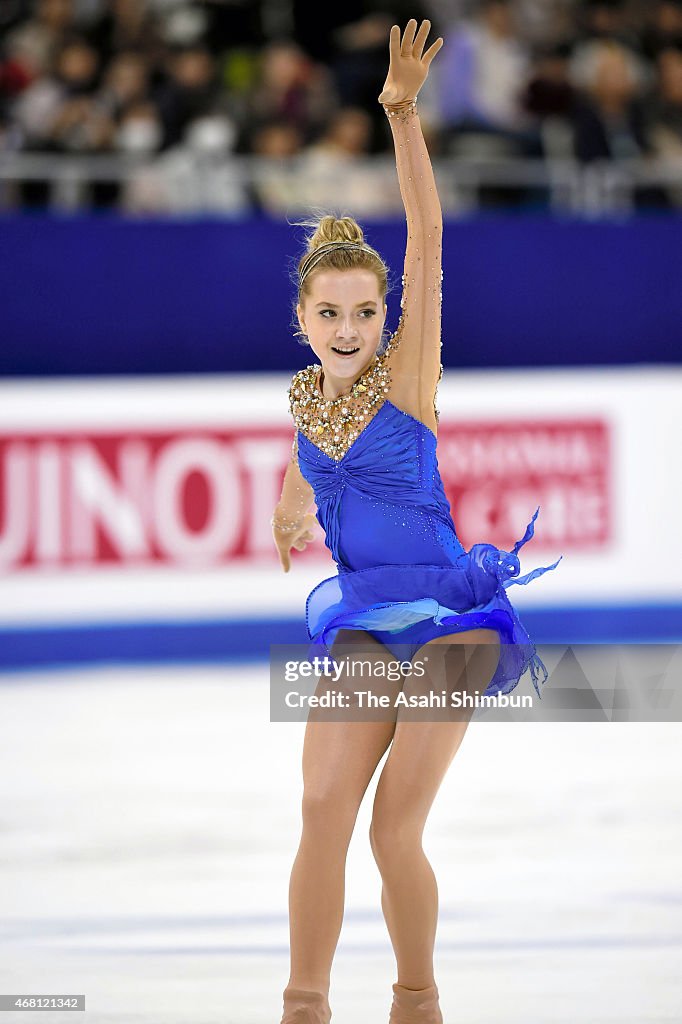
<point>345,351</point>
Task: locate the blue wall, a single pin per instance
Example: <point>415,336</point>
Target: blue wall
<point>107,295</point>
<point>225,640</point>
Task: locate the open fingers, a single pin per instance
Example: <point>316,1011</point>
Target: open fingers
<point>408,37</point>
<point>432,51</point>
<point>420,39</point>
<point>394,44</point>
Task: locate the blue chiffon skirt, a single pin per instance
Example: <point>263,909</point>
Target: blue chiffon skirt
<point>405,606</point>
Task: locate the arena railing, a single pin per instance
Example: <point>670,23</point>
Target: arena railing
<point>184,182</point>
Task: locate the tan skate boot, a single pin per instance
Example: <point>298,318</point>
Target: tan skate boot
<point>302,1006</point>
<point>415,1006</point>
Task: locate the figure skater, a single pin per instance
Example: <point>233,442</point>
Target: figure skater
<point>364,451</point>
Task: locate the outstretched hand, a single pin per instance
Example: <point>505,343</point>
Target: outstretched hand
<point>408,67</point>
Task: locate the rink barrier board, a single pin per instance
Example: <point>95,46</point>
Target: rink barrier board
<point>508,442</point>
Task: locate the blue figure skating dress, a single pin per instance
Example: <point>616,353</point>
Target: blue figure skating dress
<point>403,575</point>
<point>369,455</point>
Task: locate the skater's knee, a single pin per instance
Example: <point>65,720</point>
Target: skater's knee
<point>327,812</point>
<point>392,834</point>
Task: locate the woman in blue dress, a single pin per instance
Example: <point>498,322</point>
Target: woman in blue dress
<point>364,452</point>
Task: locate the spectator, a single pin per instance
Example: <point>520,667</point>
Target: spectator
<point>347,135</point>
<point>609,120</point>
<point>664,28</point>
<point>193,177</point>
<point>126,81</point>
<point>127,25</point>
<point>292,88</point>
<point>334,166</point>
<point>610,117</point>
<point>56,112</point>
<point>276,140</point>
<point>190,90</point>
<point>17,70</point>
<point>276,188</point>
<point>35,42</point>
<point>199,81</point>
<point>549,91</point>
<point>140,131</point>
<point>666,116</point>
<point>550,97</point>
<point>483,72</point>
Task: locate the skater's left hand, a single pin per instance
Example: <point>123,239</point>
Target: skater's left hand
<point>408,68</point>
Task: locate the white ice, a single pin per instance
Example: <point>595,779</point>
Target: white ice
<point>149,818</point>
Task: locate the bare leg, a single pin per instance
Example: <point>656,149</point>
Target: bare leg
<point>339,760</point>
<point>420,755</point>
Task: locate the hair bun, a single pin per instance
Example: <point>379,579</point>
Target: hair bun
<point>336,229</point>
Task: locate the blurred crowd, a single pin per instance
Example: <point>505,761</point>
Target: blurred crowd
<point>199,84</point>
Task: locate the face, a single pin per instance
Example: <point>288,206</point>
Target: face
<point>283,65</point>
<point>77,64</point>
<point>127,77</point>
<point>277,140</point>
<point>351,130</point>
<point>613,80</point>
<point>343,310</point>
<point>193,69</point>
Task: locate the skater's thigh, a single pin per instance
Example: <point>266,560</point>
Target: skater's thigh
<point>340,754</point>
<point>428,737</point>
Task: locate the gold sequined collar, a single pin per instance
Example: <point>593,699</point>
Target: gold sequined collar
<point>333,424</point>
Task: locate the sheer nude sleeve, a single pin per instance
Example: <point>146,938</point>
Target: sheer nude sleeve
<point>297,494</point>
<point>415,348</point>
<point>291,521</point>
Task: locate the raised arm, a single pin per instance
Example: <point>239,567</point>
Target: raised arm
<point>415,360</point>
<point>292,524</point>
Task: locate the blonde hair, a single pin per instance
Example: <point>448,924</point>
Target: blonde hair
<point>329,228</point>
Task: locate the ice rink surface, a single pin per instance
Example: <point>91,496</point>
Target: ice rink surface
<point>149,819</point>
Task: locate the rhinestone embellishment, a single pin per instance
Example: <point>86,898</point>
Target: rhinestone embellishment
<point>333,424</point>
